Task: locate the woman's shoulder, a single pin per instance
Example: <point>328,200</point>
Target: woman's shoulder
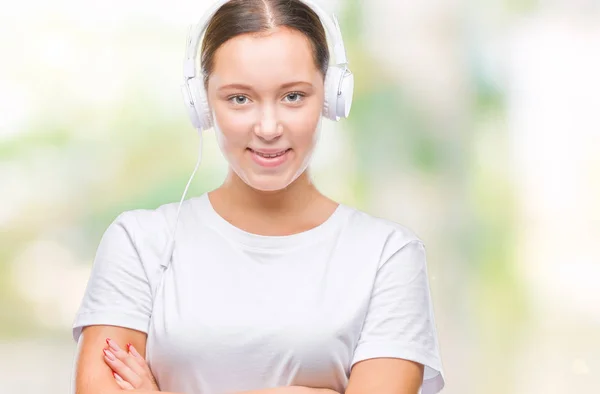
<point>369,221</point>
<point>157,221</point>
<point>138,221</point>
<point>149,229</point>
<point>391,234</point>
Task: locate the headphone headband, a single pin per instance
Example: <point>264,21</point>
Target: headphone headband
<point>196,34</point>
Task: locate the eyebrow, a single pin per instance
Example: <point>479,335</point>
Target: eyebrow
<point>247,87</point>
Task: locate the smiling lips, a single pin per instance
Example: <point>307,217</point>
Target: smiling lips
<point>269,157</point>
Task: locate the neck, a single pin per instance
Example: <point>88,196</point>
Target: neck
<point>292,199</point>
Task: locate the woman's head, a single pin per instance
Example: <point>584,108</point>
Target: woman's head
<point>264,64</point>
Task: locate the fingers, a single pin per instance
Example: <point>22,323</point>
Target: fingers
<point>138,357</point>
<point>141,361</point>
<point>129,365</point>
<point>121,383</point>
<point>125,358</point>
<point>121,368</point>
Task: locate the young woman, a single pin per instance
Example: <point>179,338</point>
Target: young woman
<point>268,285</point>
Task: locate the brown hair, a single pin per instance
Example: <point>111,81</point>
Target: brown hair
<point>238,17</point>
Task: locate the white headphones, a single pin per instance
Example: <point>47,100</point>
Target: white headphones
<point>339,81</point>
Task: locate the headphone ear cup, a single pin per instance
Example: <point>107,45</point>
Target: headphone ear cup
<point>344,101</point>
<point>337,106</point>
<point>200,103</point>
<point>331,87</point>
<point>189,105</point>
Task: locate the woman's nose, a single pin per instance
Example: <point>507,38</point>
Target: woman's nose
<point>268,128</point>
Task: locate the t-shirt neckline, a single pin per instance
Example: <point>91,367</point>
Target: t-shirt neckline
<point>269,242</point>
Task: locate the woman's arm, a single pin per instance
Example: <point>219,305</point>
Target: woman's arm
<point>290,390</point>
<point>385,376</point>
<point>92,378</point>
<point>92,374</point>
<point>276,390</point>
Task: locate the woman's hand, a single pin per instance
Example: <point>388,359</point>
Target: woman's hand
<point>129,368</point>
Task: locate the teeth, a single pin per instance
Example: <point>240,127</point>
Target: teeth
<point>270,156</point>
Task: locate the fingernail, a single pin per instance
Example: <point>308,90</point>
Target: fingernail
<point>113,345</point>
<point>116,375</point>
<point>109,355</point>
<point>133,351</point>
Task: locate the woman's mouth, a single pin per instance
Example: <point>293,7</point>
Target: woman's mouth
<point>269,158</point>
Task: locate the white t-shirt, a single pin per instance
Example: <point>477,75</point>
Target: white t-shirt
<point>236,311</point>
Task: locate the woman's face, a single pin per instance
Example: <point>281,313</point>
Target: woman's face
<point>266,96</point>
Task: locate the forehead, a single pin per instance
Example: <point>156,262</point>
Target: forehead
<point>265,60</point>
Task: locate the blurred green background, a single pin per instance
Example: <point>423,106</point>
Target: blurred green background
<point>475,124</point>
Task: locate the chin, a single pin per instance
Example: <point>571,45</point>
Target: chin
<point>269,182</point>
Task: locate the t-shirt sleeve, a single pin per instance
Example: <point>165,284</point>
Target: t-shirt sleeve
<point>400,320</point>
<point>118,291</point>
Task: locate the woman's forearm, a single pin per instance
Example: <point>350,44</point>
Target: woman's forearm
<point>121,391</point>
<point>276,390</point>
<point>289,390</point>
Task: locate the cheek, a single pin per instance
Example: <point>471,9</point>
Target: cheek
<point>233,125</point>
<point>302,131</point>
<point>302,123</point>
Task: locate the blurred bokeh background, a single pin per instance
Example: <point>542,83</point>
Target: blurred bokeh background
<point>475,123</point>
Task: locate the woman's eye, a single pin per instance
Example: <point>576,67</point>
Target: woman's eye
<point>294,97</point>
<point>239,100</point>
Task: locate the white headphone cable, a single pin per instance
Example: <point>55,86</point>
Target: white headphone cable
<point>171,244</point>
